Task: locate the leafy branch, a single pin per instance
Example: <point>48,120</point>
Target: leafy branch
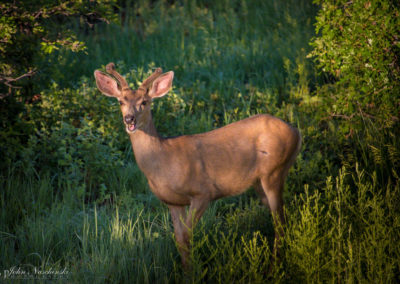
<point>30,29</point>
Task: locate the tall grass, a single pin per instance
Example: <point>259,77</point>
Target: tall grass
<point>337,233</point>
<point>77,201</point>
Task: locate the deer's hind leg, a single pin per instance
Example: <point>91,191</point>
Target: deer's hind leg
<point>270,190</point>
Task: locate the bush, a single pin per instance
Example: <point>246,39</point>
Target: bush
<point>29,32</point>
<point>359,48</point>
<point>77,139</point>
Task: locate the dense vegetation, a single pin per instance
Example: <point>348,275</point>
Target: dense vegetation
<point>72,197</point>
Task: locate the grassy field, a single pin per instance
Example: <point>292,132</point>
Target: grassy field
<point>76,203</point>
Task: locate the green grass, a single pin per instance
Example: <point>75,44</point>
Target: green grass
<point>333,234</point>
<point>76,200</point>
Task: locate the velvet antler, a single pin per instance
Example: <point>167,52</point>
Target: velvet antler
<point>110,68</point>
<point>146,83</point>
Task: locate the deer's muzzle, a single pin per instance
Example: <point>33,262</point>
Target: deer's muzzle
<point>130,122</point>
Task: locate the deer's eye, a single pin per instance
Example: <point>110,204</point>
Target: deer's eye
<point>144,103</point>
<point>121,103</point>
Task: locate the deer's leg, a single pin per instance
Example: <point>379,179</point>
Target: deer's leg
<point>196,210</point>
<point>184,224</point>
<point>272,186</point>
<point>178,215</point>
<point>260,192</point>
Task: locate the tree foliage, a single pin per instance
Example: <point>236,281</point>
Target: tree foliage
<point>359,47</point>
<point>30,29</point>
<point>29,32</point>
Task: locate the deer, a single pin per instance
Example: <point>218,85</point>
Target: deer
<point>188,172</point>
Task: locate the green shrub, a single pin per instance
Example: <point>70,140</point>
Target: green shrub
<point>358,47</point>
<point>345,231</point>
<point>77,139</point>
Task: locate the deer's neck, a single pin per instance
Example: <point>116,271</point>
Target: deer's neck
<point>147,146</point>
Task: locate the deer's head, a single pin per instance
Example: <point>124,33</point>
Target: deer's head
<point>135,104</point>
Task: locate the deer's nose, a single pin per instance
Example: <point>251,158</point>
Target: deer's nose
<point>129,119</point>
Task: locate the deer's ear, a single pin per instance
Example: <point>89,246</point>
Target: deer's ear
<point>107,85</point>
<point>161,85</point>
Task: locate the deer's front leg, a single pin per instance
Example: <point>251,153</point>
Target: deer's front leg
<point>196,210</point>
<point>184,224</point>
<point>178,215</point>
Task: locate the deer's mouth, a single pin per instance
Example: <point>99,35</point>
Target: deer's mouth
<point>131,127</point>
